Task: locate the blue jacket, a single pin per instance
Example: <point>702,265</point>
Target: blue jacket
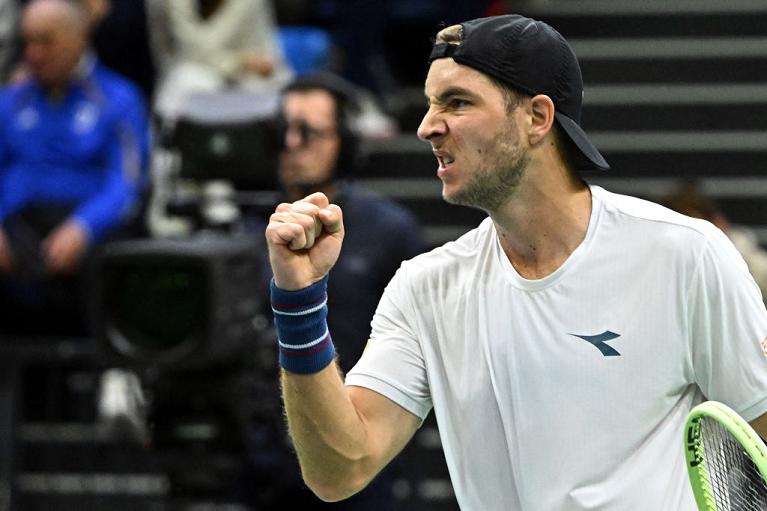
<point>89,149</point>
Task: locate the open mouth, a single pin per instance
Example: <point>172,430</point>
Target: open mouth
<point>444,159</point>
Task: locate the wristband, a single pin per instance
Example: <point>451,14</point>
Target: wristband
<point>302,328</point>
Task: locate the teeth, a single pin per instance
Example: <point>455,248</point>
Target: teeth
<point>445,160</point>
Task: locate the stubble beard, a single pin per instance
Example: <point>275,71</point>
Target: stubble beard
<point>495,180</point>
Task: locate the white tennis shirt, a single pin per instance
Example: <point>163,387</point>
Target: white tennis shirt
<point>570,392</point>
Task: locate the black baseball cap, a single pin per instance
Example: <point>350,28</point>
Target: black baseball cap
<point>533,57</point>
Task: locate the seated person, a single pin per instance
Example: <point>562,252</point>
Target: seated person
<point>74,143</point>
<point>211,47</point>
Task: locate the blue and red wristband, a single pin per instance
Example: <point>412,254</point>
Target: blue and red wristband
<point>302,328</point>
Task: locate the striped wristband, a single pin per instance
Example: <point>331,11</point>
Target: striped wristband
<point>302,328</point>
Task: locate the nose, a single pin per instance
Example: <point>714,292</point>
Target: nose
<point>293,139</point>
<point>432,126</point>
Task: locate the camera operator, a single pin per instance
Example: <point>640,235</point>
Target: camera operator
<point>321,153</point>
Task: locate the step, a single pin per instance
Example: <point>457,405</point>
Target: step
<point>632,8</point>
<point>693,70</point>
<point>621,18</point>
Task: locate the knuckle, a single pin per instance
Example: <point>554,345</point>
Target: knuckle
<point>278,217</point>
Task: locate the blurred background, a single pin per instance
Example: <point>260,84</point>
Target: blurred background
<point>162,393</point>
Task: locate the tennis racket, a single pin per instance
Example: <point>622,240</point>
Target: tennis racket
<point>726,460</point>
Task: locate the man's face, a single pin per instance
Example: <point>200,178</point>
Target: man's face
<point>53,44</point>
<point>312,142</point>
<point>476,140</point>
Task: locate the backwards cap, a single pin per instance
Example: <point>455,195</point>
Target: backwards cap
<point>532,57</point>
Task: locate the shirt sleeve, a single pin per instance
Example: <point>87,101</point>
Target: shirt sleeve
<point>410,239</point>
<point>4,120</point>
<point>729,330</point>
<point>119,195</point>
<point>393,363</point>
<point>404,239</point>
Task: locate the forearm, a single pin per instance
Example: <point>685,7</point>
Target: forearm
<point>344,435</point>
<point>329,435</point>
<point>327,431</point>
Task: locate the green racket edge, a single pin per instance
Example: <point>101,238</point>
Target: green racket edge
<point>738,428</point>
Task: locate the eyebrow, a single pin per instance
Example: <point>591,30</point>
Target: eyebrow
<point>451,92</point>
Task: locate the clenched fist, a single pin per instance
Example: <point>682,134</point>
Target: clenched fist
<point>304,240</point>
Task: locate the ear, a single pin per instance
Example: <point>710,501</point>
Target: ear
<point>542,109</point>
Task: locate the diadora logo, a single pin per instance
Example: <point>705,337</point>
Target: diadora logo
<point>599,341</point>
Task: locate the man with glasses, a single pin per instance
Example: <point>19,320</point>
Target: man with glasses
<point>319,152</point>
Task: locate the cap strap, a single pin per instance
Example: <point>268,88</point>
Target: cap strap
<point>442,50</point>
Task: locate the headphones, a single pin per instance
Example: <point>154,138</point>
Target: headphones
<point>347,109</point>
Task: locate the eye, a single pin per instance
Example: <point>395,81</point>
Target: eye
<point>458,103</point>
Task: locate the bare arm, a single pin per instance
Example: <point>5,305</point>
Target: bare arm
<point>343,435</point>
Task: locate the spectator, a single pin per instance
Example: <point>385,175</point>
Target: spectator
<point>120,38</point>
<point>688,199</point>
<point>74,143</point>
<point>210,46</point>
<point>320,153</point>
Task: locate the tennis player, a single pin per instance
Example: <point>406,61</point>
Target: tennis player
<point>561,343</point>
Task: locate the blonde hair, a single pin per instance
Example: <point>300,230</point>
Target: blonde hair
<point>450,35</point>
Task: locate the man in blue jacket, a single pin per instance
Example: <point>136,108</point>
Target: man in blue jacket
<point>74,142</point>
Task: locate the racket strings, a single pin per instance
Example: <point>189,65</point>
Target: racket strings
<point>735,480</point>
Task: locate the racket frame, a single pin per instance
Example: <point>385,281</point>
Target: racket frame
<point>696,466</point>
